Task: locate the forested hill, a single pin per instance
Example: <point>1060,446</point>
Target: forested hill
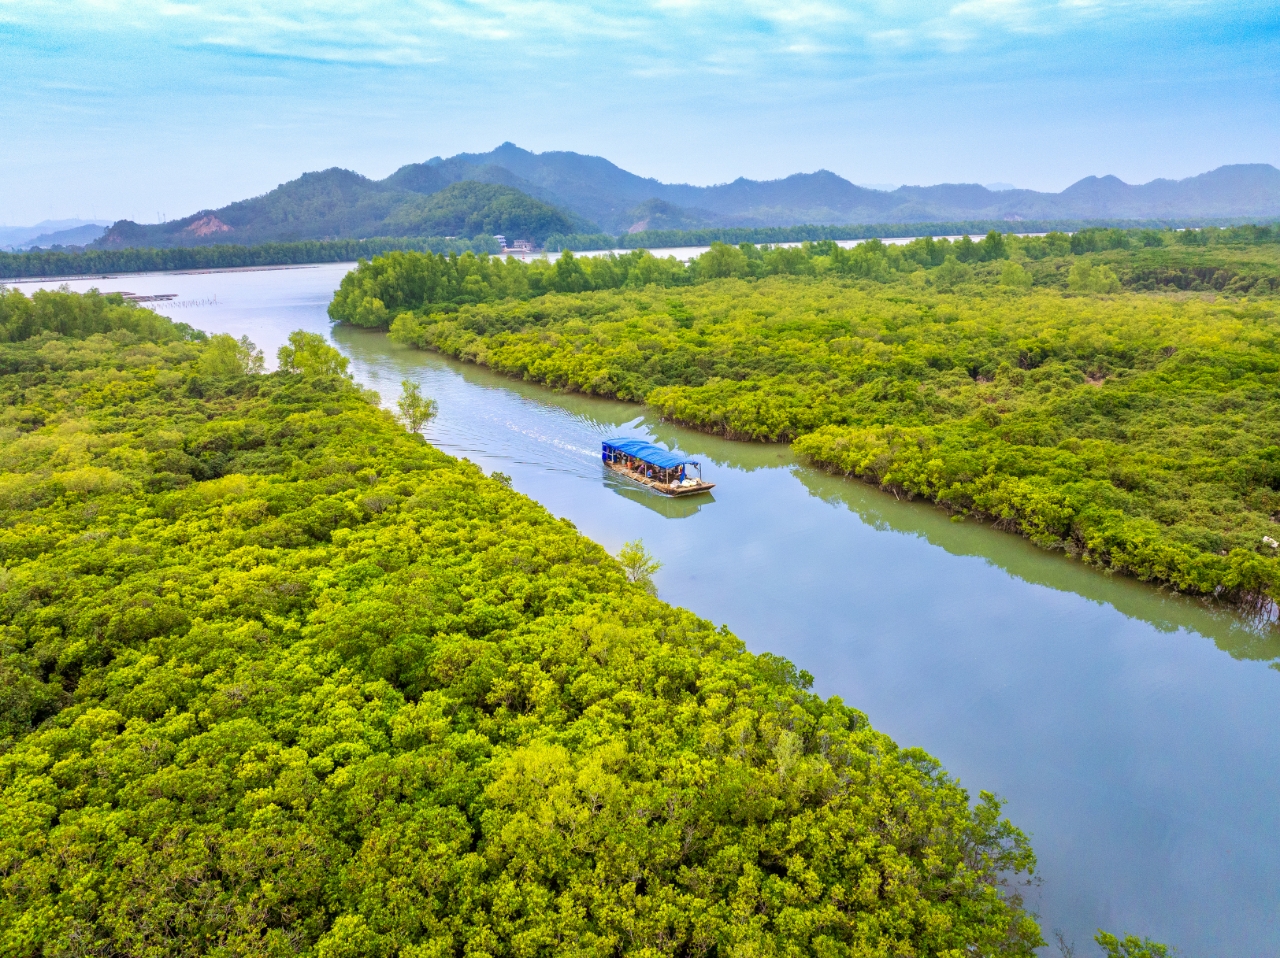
<point>339,204</point>
<point>279,678</point>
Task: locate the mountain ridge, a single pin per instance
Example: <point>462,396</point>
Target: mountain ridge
<point>341,204</point>
<point>561,192</point>
<point>598,189</point>
<point>48,232</point>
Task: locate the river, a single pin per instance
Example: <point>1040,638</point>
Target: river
<point>1132,732</point>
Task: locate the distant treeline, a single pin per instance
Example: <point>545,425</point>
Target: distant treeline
<point>1101,236</point>
<point>150,259</point>
<point>377,291</point>
<point>663,239</point>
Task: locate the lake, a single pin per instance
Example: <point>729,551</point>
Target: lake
<point>1132,732</point>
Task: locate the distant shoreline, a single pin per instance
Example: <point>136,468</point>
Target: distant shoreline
<point>683,253</point>
<point>121,274</point>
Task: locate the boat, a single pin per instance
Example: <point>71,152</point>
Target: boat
<point>655,467</point>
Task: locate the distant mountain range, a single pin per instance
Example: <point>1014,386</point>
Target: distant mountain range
<point>51,233</point>
<point>530,196</point>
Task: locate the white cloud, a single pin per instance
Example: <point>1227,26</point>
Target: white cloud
<point>646,38</point>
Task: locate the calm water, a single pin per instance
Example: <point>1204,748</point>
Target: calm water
<point>1135,735</point>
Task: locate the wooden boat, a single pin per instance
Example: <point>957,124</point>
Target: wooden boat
<point>655,467</point>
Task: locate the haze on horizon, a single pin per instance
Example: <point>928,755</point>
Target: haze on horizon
<point>152,108</point>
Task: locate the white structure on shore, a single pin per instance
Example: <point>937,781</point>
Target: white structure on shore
<point>519,246</point>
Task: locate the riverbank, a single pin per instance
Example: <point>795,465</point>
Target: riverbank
<point>1050,413</point>
<point>45,282</point>
<point>1243,579</point>
<point>682,253</point>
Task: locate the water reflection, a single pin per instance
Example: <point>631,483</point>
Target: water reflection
<point>1165,611</point>
<point>669,507</point>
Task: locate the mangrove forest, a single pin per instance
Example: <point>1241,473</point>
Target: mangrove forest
<point>1111,393</point>
<point>280,678</point>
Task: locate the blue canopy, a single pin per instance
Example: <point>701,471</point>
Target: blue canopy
<point>648,452</point>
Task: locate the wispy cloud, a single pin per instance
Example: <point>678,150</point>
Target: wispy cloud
<point>205,101</point>
<point>405,33</point>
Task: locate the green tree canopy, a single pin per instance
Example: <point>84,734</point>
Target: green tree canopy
<point>309,354</point>
<point>277,677</point>
<point>415,409</point>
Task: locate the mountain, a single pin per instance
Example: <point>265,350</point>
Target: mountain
<point>73,232</point>
<point>590,186</point>
<point>526,195</point>
<point>661,215</point>
<point>75,236</point>
<point>596,189</point>
<point>329,204</point>
<point>337,203</point>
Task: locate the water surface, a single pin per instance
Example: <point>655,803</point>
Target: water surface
<point>1133,733</point>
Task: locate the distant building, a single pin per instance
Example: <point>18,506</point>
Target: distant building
<point>519,246</point>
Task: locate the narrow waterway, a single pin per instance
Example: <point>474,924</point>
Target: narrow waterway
<point>1133,733</point>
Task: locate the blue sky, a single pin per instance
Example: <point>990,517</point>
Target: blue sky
<point>148,107</point>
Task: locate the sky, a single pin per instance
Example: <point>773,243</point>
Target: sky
<point>150,108</point>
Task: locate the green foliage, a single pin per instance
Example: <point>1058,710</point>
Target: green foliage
<point>479,209</point>
<point>68,314</point>
<point>1137,431</point>
<point>415,409</point>
<point>585,241</point>
<point>1098,235</point>
<point>325,204</point>
<point>1130,947</point>
<point>1162,269</point>
<point>143,259</point>
<point>226,356</point>
<point>1087,278</point>
<point>952,273</point>
<point>309,354</point>
<point>379,290</point>
<point>280,678</point>
<point>639,565</point>
<point>1015,275</point>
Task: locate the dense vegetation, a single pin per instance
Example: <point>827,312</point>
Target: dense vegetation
<point>1010,379</point>
<point>735,235</point>
<point>1240,260</point>
<point>139,257</point>
<point>482,209</point>
<point>222,256</point>
<point>279,678</point>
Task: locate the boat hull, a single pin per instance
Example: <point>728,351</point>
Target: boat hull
<point>665,488</point>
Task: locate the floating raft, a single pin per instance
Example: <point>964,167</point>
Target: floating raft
<point>652,466</point>
<point>143,298</point>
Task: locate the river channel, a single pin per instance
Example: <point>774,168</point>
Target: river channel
<point>1134,734</point>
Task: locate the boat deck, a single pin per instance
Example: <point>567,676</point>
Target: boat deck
<point>666,488</point>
